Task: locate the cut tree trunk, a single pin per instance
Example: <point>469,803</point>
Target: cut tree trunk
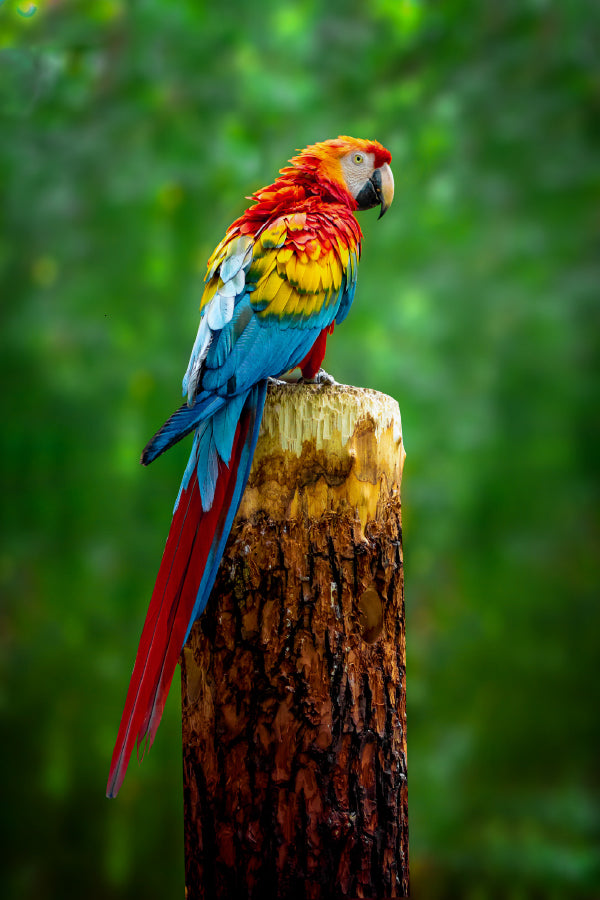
<point>293,680</point>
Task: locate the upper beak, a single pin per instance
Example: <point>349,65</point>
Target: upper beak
<point>379,189</point>
<point>386,187</point>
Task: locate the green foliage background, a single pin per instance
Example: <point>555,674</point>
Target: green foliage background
<point>129,136</point>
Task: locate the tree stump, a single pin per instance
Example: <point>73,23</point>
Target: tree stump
<point>293,680</point>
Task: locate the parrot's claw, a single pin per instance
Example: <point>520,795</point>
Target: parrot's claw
<point>322,377</point>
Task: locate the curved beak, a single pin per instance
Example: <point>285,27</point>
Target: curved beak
<point>378,190</point>
<point>386,187</point>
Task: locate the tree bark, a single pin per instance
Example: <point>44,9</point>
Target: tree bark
<point>293,680</point>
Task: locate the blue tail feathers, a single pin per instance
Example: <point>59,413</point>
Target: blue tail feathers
<point>182,422</point>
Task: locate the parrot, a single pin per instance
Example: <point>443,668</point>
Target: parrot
<point>280,280</point>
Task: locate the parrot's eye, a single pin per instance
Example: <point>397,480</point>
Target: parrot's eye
<point>357,159</point>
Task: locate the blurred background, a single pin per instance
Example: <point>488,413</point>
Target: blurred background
<point>129,136</point>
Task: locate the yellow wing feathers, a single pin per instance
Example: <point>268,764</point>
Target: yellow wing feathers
<point>296,272</point>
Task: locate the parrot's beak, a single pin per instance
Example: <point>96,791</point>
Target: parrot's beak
<point>386,187</point>
<point>379,189</point>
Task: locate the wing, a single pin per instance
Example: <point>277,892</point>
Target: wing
<point>268,297</point>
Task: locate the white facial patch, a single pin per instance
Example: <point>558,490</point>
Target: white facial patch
<point>357,168</point>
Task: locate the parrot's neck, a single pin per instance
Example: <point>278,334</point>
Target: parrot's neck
<point>296,190</point>
<point>307,183</point>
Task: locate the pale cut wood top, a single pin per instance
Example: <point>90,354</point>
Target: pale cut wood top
<point>323,449</point>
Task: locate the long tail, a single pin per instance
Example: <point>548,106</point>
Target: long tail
<point>187,573</point>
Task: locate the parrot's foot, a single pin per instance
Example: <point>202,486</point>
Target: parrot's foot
<point>322,377</point>
<point>272,380</point>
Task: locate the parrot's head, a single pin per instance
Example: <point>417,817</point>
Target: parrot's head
<point>357,169</point>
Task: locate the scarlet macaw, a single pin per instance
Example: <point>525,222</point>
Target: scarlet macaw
<point>281,278</point>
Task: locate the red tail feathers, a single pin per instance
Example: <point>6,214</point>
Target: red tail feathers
<point>192,535</point>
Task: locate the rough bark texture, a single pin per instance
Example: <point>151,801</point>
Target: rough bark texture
<point>293,680</point>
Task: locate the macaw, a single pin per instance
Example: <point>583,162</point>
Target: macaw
<point>281,278</point>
